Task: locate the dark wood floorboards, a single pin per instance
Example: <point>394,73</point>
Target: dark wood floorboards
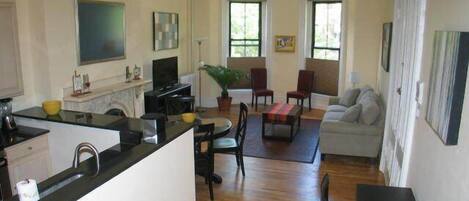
<point>273,180</point>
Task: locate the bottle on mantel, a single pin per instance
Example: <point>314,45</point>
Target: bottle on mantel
<point>77,84</point>
<point>128,75</point>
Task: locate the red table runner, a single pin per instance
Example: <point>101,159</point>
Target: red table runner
<point>279,112</point>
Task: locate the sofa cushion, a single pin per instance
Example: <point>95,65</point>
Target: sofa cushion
<point>364,90</point>
<point>336,108</point>
<point>352,113</point>
<point>349,97</point>
<point>329,127</point>
<point>334,116</point>
<point>369,112</point>
<point>367,97</point>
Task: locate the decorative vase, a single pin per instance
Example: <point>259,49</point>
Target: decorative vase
<point>224,104</point>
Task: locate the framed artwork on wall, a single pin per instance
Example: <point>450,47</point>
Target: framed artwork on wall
<point>447,84</point>
<point>165,30</point>
<point>285,43</point>
<point>100,31</point>
<point>386,46</point>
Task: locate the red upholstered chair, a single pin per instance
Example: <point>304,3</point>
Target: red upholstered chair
<point>259,85</point>
<point>303,89</point>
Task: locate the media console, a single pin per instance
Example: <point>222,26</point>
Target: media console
<point>155,101</point>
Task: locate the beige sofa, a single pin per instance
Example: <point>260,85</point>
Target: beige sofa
<point>353,139</point>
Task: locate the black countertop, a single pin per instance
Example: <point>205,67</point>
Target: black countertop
<point>113,160</point>
<point>22,134</point>
<point>131,129</point>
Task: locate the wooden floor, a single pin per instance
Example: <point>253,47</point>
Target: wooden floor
<point>273,180</point>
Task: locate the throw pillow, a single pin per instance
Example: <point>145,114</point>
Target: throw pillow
<point>364,90</point>
<point>369,112</point>
<point>352,113</point>
<point>349,98</point>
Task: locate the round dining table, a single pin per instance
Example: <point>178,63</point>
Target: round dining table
<point>222,128</point>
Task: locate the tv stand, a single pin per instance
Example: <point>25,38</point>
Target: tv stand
<point>155,101</point>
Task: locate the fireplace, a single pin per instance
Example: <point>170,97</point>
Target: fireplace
<point>122,99</point>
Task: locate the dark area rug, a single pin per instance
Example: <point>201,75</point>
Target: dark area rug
<point>302,149</point>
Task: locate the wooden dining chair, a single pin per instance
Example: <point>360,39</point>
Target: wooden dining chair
<point>259,86</point>
<point>179,104</point>
<point>325,188</point>
<point>304,88</point>
<point>235,145</point>
<point>203,155</point>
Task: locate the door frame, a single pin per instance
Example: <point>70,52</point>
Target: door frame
<point>415,23</point>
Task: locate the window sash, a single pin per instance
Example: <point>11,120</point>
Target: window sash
<point>313,40</point>
<point>259,39</point>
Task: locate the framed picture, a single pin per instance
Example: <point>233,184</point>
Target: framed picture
<point>285,43</point>
<point>448,84</point>
<point>104,39</point>
<point>386,45</point>
<point>165,31</point>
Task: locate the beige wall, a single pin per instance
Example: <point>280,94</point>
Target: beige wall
<point>365,19</point>
<point>439,172</point>
<point>383,76</point>
<point>49,53</point>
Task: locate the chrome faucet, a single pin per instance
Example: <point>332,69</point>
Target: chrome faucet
<point>76,159</point>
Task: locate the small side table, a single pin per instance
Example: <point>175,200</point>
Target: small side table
<point>383,193</point>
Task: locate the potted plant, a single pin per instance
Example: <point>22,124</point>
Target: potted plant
<point>224,77</point>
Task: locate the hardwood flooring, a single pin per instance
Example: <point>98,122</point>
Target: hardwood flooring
<point>274,180</point>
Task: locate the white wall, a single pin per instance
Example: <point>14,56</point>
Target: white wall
<point>438,172</point>
<point>48,45</point>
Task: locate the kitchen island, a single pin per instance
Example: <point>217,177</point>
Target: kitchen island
<point>130,170</point>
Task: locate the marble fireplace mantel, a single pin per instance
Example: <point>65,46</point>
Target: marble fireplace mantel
<point>127,97</point>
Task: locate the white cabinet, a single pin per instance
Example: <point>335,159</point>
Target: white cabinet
<point>29,160</point>
<point>11,83</point>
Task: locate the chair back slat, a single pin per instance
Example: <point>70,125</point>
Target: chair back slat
<point>242,124</point>
<point>179,104</point>
<point>325,188</point>
<point>305,81</point>
<point>258,78</point>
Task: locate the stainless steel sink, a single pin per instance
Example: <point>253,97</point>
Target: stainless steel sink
<point>60,185</point>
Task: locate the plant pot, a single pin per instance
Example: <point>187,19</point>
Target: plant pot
<point>224,104</point>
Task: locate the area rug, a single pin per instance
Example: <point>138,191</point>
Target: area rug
<point>302,149</point>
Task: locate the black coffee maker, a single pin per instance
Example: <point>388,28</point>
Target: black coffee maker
<point>8,121</point>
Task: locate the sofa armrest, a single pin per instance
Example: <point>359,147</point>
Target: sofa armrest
<point>334,126</point>
<point>334,100</point>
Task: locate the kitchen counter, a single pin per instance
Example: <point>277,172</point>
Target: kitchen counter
<point>114,160</point>
<point>23,133</point>
<point>131,129</point>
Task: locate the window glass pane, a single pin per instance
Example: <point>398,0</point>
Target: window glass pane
<point>326,54</point>
<point>238,42</point>
<point>252,51</point>
<point>237,21</point>
<point>237,51</point>
<point>251,42</point>
<point>252,21</point>
<point>327,25</point>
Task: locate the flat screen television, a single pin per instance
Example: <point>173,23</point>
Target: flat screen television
<point>165,73</point>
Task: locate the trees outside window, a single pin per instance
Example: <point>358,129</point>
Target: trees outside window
<point>245,29</point>
<point>326,30</point>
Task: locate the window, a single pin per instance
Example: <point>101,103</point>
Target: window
<point>245,30</point>
<point>326,30</point>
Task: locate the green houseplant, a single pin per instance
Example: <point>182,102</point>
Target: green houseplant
<point>224,77</point>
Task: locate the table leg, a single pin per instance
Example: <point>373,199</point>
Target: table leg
<point>263,127</point>
<point>292,128</point>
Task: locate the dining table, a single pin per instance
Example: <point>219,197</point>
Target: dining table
<point>366,192</point>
